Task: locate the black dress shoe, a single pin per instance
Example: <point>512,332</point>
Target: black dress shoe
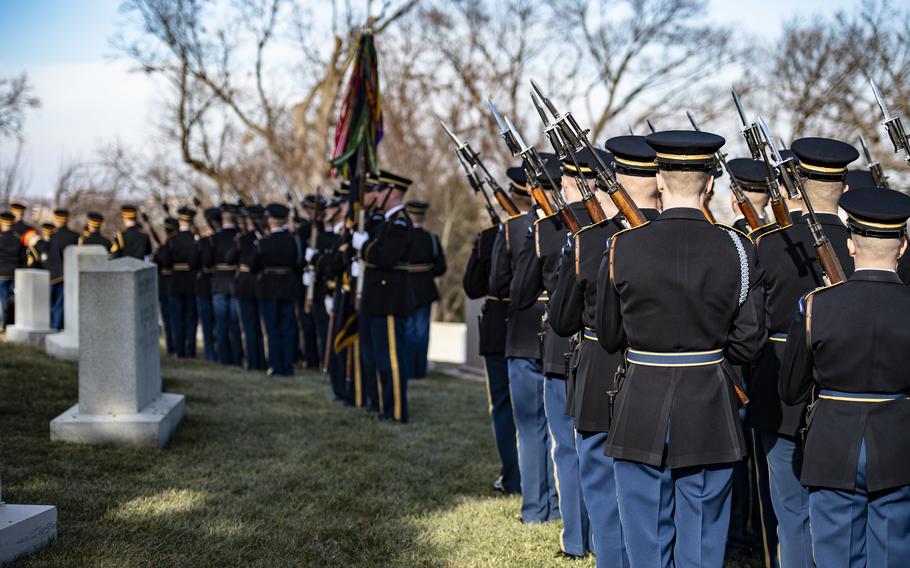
<point>497,485</point>
<point>566,556</point>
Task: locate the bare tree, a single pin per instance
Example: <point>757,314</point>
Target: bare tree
<point>15,99</point>
<point>13,180</point>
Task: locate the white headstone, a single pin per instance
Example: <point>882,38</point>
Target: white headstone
<point>65,344</point>
<point>120,398</point>
<point>25,529</point>
<point>33,313</point>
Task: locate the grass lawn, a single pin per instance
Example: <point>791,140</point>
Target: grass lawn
<point>266,472</point>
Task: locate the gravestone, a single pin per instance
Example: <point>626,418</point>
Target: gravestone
<point>25,529</point>
<point>65,344</point>
<point>33,312</point>
<point>120,398</point>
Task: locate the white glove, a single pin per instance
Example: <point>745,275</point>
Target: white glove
<point>310,254</point>
<point>329,304</point>
<point>356,269</point>
<point>358,238</point>
<point>308,278</point>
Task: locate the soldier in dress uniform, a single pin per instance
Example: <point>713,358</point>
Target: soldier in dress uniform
<point>92,234</point>
<point>316,284</point>
<point>19,210</point>
<point>222,263</point>
<point>10,254</point>
<point>539,502</point>
<point>314,208</point>
<point>205,311</point>
<point>61,238</point>
<point>47,229</point>
<point>278,261</point>
<point>791,269</point>
<point>492,344</point>
<point>534,280</point>
<point>388,296</point>
<point>427,262</point>
<point>847,355</point>
<point>684,299</point>
<point>245,288</point>
<point>132,241</point>
<point>571,311</point>
<point>181,257</point>
<point>752,176</point>
<point>164,284</point>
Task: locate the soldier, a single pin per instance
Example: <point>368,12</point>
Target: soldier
<point>10,253</point>
<point>792,269</point>
<point>92,234</point>
<point>316,283</point>
<point>388,297</point>
<point>492,344</point>
<point>204,310</point>
<point>533,280</point>
<point>683,298</point>
<point>222,262</point>
<point>307,229</point>
<point>427,262</point>
<point>19,210</point>
<point>181,257</point>
<point>277,260</point>
<point>47,229</point>
<point>61,238</point>
<point>164,284</point>
<point>847,351</point>
<point>539,502</point>
<point>571,311</point>
<point>752,177</point>
<point>132,241</point>
<point>245,288</point>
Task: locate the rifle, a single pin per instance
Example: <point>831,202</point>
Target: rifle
<point>476,183</point>
<point>753,135</point>
<point>536,167</point>
<point>314,234</point>
<point>793,181</point>
<point>472,159</point>
<point>745,206</point>
<point>537,191</point>
<point>875,168</point>
<point>152,233</point>
<point>893,125</point>
<point>572,139</point>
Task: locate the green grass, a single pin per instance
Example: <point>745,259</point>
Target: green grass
<point>267,472</point>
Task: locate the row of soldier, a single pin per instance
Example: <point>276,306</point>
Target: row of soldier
<point>656,376</point>
<point>251,268</point>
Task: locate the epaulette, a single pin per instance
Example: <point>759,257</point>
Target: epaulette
<point>516,216</point>
<point>771,232</point>
<point>734,229</point>
<point>611,247</point>
<point>591,226</point>
<point>805,309</point>
<point>811,293</point>
<point>761,227</point>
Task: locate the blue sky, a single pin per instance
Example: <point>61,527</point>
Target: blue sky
<point>90,98</point>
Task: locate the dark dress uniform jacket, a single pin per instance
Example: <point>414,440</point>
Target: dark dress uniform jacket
<point>387,286</point>
<point>523,325</point>
<point>205,268</point>
<point>245,281</point>
<point>536,276</point>
<point>132,242</point>
<point>278,262</point>
<point>427,261</point>
<point>572,309</point>
<point>62,238</point>
<point>96,238</point>
<point>223,260</point>
<point>10,254</point>
<point>677,286</point>
<point>181,258</point>
<point>855,341</point>
<point>791,269</point>
<point>476,284</point>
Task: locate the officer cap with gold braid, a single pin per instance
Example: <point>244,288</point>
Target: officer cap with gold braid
<point>876,212</point>
<point>61,215</point>
<point>585,159</point>
<point>7,219</point>
<point>518,181</point>
<point>129,211</point>
<point>343,190</point>
<point>553,167</point>
<point>277,210</point>
<point>859,178</point>
<point>632,156</point>
<point>94,219</point>
<point>47,229</point>
<point>394,181</point>
<point>186,214</point>
<point>685,150</point>
<point>751,175</point>
<point>417,207</point>
<point>17,207</point>
<point>312,200</point>
<point>212,214</point>
<point>170,224</point>
<point>823,159</point>
<point>255,211</point>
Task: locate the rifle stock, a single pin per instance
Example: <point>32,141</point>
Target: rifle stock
<point>781,213</point>
<point>706,211</point>
<point>834,272</point>
<point>569,220</point>
<point>627,207</point>
<point>592,206</point>
<point>505,202</point>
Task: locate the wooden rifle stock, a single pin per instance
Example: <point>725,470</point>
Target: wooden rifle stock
<point>708,215</point>
<point>781,213</point>
<point>506,203</point>
<point>749,213</point>
<point>627,207</point>
<point>834,272</point>
<point>569,220</point>
<point>540,197</point>
<point>592,206</point>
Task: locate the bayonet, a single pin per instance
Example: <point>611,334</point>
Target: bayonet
<point>650,126</point>
<point>750,129</point>
<point>504,131</point>
<point>875,167</point>
<point>894,126</point>
<point>471,161</point>
<point>692,121</point>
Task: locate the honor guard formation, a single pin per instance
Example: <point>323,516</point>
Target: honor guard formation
<point>678,391</point>
<point>270,287</point>
<point>675,391</point>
